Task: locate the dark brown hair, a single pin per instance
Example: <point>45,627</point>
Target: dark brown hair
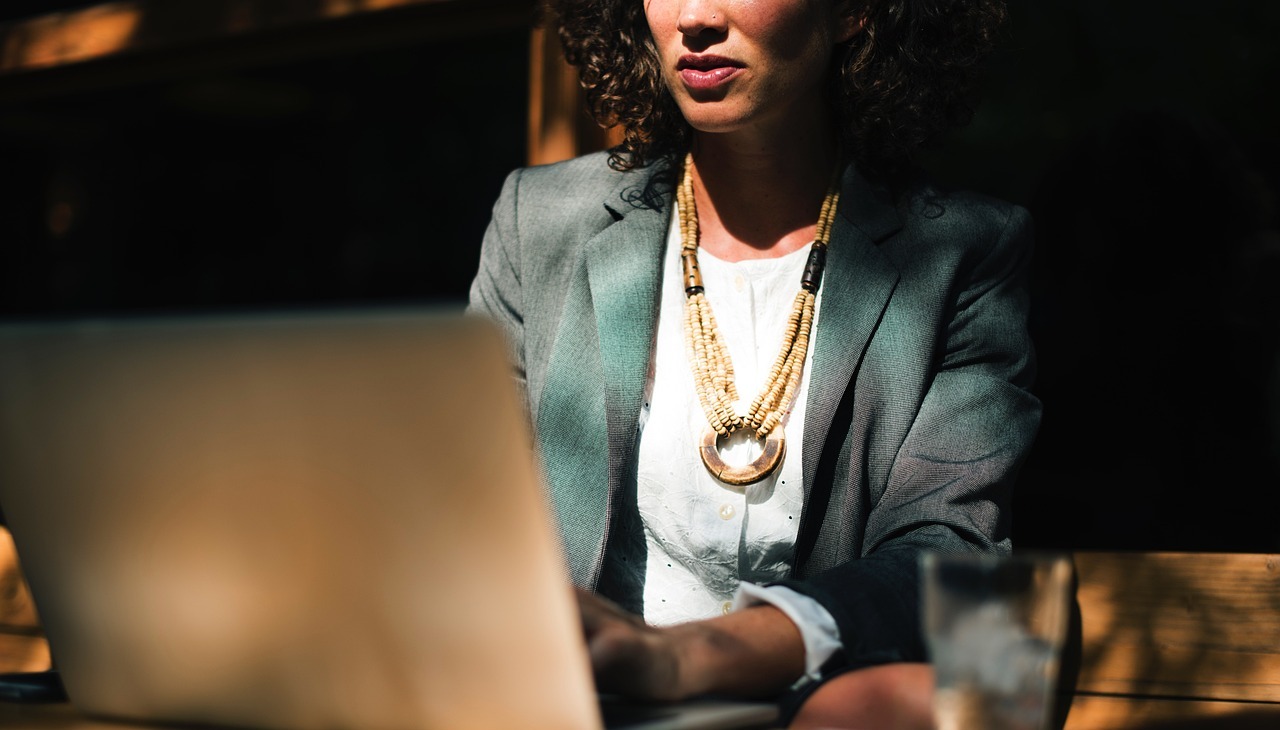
<point>905,78</point>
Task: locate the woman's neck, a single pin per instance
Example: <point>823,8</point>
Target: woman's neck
<point>760,198</point>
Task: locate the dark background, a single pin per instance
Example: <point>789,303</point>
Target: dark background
<point>1141,134</point>
<point>1145,138</point>
<point>351,177</point>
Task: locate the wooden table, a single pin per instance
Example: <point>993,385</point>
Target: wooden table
<point>1177,640</point>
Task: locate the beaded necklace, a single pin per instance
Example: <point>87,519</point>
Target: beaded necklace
<point>713,370</point>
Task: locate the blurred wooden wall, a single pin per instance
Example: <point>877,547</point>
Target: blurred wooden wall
<point>117,42</point>
<point>559,127</point>
<point>22,644</point>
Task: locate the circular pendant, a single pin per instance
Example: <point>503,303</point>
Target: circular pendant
<point>775,446</point>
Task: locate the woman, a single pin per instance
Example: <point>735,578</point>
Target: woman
<point>646,293</point>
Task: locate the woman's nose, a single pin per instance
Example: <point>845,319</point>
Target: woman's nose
<point>700,16</point>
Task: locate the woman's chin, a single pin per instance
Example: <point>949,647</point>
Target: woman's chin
<point>729,118</point>
<point>717,123</point>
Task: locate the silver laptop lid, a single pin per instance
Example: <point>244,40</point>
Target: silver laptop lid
<point>291,521</point>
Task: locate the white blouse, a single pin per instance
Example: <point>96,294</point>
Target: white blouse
<point>704,537</point>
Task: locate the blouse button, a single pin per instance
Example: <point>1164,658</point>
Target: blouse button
<point>726,511</point>
<point>739,282</point>
<point>727,608</point>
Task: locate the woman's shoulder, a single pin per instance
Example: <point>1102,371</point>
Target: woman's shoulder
<point>958,217</point>
<point>589,177</point>
<point>584,171</point>
<point>926,201</point>
<point>583,191</point>
<point>592,167</point>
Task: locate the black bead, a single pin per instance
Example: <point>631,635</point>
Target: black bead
<point>812,278</point>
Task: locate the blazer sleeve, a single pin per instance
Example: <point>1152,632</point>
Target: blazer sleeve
<point>949,486</point>
<point>496,291</point>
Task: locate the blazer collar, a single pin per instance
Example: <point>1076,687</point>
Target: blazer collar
<point>624,271</point>
<point>856,286</point>
<point>868,206</point>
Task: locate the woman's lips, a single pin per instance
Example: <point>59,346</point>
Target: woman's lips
<point>702,73</point>
<point>709,79</point>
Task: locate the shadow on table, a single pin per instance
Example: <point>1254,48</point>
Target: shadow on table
<point>1072,652</point>
<point>1247,720</point>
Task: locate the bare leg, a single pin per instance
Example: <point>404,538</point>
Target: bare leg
<point>887,697</point>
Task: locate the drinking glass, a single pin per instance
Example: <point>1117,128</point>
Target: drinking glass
<point>995,626</point>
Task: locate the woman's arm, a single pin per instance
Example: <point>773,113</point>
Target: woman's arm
<point>751,653</point>
<point>497,291</point>
<point>756,652</point>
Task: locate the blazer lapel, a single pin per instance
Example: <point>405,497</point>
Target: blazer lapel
<point>624,267</point>
<point>856,287</point>
<point>602,349</point>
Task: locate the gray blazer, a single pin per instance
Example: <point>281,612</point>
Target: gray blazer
<point>918,411</point>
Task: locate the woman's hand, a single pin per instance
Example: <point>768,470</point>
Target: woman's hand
<point>755,652</point>
<point>629,657</point>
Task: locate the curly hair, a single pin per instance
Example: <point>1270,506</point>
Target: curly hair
<point>894,87</point>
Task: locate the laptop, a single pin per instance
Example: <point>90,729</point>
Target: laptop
<point>295,520</point>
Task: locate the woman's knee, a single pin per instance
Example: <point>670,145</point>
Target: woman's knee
<point>885,697</point>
